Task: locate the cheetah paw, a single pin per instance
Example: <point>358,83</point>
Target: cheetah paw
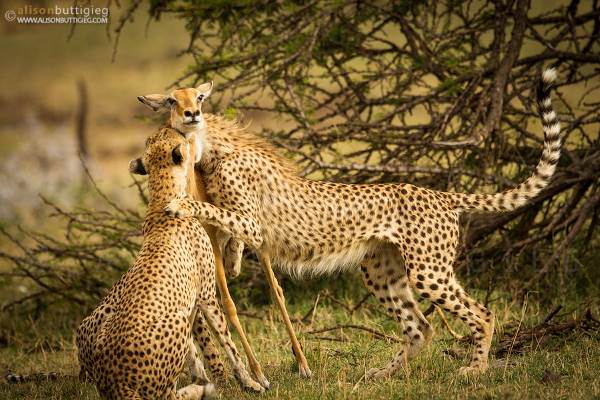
<point>194,391</point>
<point>209,392</point>
<point>176,209</point>
<point>472,370</point>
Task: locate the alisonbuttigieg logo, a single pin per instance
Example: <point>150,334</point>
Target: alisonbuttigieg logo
<point>10,15</point>
<point>58,15</point>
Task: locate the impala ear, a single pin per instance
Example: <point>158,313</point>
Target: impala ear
<point>177,155</point>
<point>136,166</point>
<point>204,90</point>
<point>157,101</point>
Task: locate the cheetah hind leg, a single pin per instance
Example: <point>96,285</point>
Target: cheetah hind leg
<point>481,323</point>
<point>385,277</point>
<point>452,298</point>
<point>217,322</point>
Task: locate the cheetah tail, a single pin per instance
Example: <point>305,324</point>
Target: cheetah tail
<point>35,377</point>
<point>521,194</point>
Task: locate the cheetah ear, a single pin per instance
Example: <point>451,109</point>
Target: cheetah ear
<point>157,101</point>
<point>136,166</point>
<point>177,155</point>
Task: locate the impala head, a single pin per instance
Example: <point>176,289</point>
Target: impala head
<point>185,106</point>
<point>165,161</point>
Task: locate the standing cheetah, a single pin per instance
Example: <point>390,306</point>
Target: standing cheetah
<point>403,236</point>
<point>135,343</point>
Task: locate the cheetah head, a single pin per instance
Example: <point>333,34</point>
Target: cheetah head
<point>165,158</point>
<point>185,107</point>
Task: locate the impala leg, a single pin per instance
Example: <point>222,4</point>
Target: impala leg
<point>231,312</point>
<point>280,300</point>
<point>198,190</point>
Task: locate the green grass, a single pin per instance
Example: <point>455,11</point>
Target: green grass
<point>337,358</point>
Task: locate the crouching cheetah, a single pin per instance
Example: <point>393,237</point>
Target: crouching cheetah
<point>135,343</point>
<point>404,237</point>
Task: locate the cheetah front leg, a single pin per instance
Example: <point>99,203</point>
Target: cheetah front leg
<point>202,336</point>
<point>195,365</point>
<point>239,226</point>
<point>216,320</point>
<point>201,388</point>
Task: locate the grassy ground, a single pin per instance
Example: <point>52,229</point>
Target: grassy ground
<point>564,367</point>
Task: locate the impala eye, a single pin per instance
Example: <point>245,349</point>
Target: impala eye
<point>200,97</point>
<point>171,101</point>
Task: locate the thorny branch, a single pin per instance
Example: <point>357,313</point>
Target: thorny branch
<point>435,93</point>
<point>516,342</point>
<point>98,246</point>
